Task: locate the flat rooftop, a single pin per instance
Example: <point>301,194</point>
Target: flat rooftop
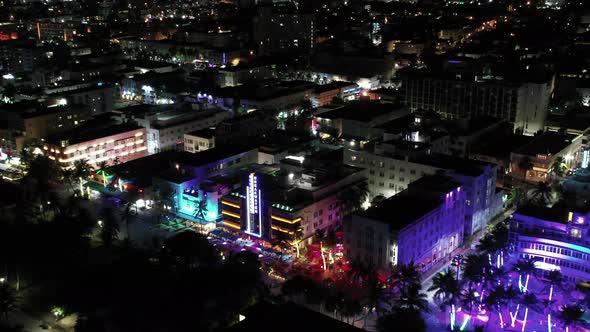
<point>90,130</point>
<point>205,133</point>
<point>555,214</point>
<point>547,143</point>
<point>459,165</point>
<point>212,155</point>
<point>402,209</point>
<point>332,86</point>
<point>363,111</point>
<point>438,183</point>
<point>140,171</point>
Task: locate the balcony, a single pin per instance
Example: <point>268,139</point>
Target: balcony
<point>558,236</point>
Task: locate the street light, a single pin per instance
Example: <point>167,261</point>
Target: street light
<point>2,280</point>
<point>100,223</point>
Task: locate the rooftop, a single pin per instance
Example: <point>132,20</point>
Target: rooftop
<point>548,143</point>
<point>545,213</point>
<point>140,171</point>
<point>209,156</point>
<point>90,130</point>
<point>363,111</point>
<point>458,165</point>
<point>205,133</point>
<point>332,86</point>
<point>402,209</point>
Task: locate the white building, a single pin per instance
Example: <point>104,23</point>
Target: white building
<point>165,131</point>
<point>393,166</point>
<point>422,225</point>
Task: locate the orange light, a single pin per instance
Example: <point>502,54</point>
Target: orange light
<point>280,229</point>
<point>230,204</point>
<point>286,220</point>
<point>230,224</point>
<point>230,214</point>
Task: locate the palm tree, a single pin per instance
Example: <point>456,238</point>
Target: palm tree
<point>447,290</point>
<point>103,165</point>
<point>528,300</point>
<point>542,193</point>
<point>352,197</point>
<point>494,301</point>
<point>524,267</point>
<point>8,300</point>
<point>81,170</point>
<point>408,275</point>
<point>525,165</point>
<point>470,301</point>
<point>445,285</point>
<point>110,226</point>
<point>558,167</point>
<point>473,270</point>
<point>412,299</point>
<point>570,315</point>
<point>67,176</point>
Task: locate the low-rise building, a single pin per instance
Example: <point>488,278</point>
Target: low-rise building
<point>533,161</point>
<point>97,142</point>
<point>557,238</point>
<point>357,120</point>
<point>292,203</point>
<point>199,140</point>
<point>166,129</point>
<point>422,224</point>
<point>394,165</point>
<point>324,94</point>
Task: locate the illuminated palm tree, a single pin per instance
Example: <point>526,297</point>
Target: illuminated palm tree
<point>570,315</point>
<point>411,298</point>
<point>447,291</point>
<point>494,301</point>
<point>542,193</point>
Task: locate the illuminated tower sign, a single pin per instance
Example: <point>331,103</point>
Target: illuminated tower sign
<point>254,207</point>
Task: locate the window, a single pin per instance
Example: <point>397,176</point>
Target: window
<point>381,164</point>
<point>353,158</point>
<point>381,174</point>
<point>321,211</point>
<point>381,184</point>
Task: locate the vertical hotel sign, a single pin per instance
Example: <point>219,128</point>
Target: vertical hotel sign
<point>254,206</point>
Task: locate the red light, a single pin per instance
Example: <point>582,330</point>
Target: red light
<point>140,190</point>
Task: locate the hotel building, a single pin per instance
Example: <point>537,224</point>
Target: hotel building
<point>393,165</point>
<point>107,142</point>
<point>556,237</point>
<point>422,224</point>
<point>293,201</point>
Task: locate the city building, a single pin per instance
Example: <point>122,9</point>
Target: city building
<point>279,31</point>
<point>26,122</point>
<point>98,97</point>
<point>242,74</point>
<point>394,165</point>
<point>96,142</point>
<point>324,94</point>
<point>533,161</point>
<point>166,128</point>
<point>422,224</point>
<point>185,183</point>
<point>356,122</point>
<point>199,140</point>
<point>557,238</point>
<point>523,104</point>
<point>291,203</point>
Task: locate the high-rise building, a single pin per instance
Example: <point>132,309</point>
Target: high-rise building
<point>523,104</point>
<point>276,31</point>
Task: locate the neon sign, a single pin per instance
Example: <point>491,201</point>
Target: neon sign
<point>254,207</point>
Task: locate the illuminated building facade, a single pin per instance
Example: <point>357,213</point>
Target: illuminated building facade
<point>288,203</point>
<point>96,144</point>
<point>542,152</point>
<point>186,181</point>
<point>556,237</point>
<point>422,224</point>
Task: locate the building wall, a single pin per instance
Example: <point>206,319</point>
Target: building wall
<point>561,245</point>
<point>388,176</point>
<point>166,138</point>
<point>125,146</point>
<point>195,144</point>
<point>424,241</point>
<point>524,105</point>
